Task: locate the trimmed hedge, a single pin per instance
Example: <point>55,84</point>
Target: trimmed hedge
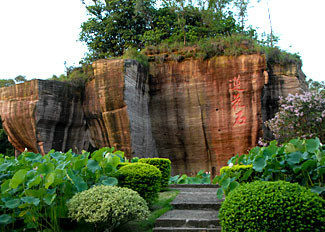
<point>140,177</point>
<point>120,165</point>
<point>107,205</point>
<point>272,206</point>
<point>239,171</point>
<point>164,165</point>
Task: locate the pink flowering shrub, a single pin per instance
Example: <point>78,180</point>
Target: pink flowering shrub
<point>300,115</point>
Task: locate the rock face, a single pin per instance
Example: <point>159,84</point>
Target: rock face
<point>204,112</point>
<point>198,113</point>
<point>116,107</point>
<point>282,81</point>
<point>40,115</point>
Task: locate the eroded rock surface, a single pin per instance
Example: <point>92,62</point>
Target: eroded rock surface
<point>282,81</point>
<point>116,107</point>
<point>40,115</point>
<point>198,113</point>
<point>204,112</point>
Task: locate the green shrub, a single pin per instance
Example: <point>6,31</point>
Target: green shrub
<point>243,173</point>
<point>164,165</point>
<point>272,206</point>
<point>141,177</point>
<point>108,206</point>
<point>120,165</point>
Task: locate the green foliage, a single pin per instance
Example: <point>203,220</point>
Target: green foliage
<point>108,206</point>
<point>114,26</point>
<point>272,206</point>
<point>141,177</point>
<point>200,178</point>
<point>132,53</point>
<point>274,55</point>
<point>77,76</point>
<point>35,188</point>
<point>299,161</point>
<point>164,165</point>
<point>243,173</point>
<point>5,146</point>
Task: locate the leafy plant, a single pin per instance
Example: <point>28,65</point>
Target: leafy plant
<point>299,161</point>
<point>107,206</point>
<point>140,177</point>
<point>36,188</point>
<point>200,178</point>
<point>272,206</point>
<point>164,165</point>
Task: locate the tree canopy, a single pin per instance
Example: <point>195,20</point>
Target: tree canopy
<point>114,26</point>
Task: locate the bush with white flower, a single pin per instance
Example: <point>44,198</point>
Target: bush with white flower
<point>300,115</point>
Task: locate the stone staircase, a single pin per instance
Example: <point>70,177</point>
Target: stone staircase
<point>195,209</point>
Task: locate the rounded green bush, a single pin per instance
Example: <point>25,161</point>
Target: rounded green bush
<point>141,177</point>
<point>108,206</point>
<point>164,165</point>
<point>272,206</point>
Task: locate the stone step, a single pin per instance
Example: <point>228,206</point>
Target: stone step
<point>204,190</point>
<point>196,200</point>
<point>200,186</point>
<point>189,218</point>
<point>180,229</point>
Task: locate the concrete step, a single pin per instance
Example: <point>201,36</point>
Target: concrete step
<point>180,229</point>
<point>202,190</point>
<point>189,218</point>
<point>200,186</point>
<point>196,200</point>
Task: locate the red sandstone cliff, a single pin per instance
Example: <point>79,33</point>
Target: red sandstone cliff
<point>40,115</point>
<point>196,112</point>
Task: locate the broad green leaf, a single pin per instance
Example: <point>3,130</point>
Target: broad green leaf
<point>93,166</point>
<point>247,174</point>
<point>11,204</point>
<point>200,173</point>
<point>49,180</point>
<point>290,148</point>
<point>5,187</point>
<point>18,178</point>
<point>79,164</point>
<point>4,166</point>
<point>173,179</point>
<point>309,164</point>
<point>312,145</point>
<point>259,164</point>
<point>113,161</point>
<point>35,181</point>
<point>110,181</point>
<point>49,198</point>
<point>225,183</point>
<point>220,193</point>
<point>233,185</point>
<point>215,180</point>
<point>46,167</point>
<point>31,200</point>
<point>317,189</point>
<point>32,157</point>
<point>294,157</point>
<point>5,219</point>
<point>80,184</point>
<point>182,179</point>
<point>37,193</point>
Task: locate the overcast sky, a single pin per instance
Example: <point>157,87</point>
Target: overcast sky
<point>38,36</point>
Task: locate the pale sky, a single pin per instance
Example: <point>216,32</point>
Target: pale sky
<point>38,36</point>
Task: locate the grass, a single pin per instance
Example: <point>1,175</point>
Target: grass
<point>161,206</point>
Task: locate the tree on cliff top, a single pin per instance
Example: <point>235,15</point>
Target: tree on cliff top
<point>116,25</point>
